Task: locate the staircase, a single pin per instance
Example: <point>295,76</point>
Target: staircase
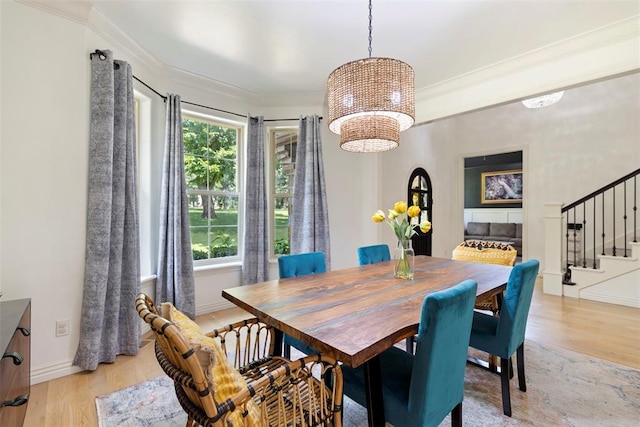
<point>598,257</point>
<point>616,279</point>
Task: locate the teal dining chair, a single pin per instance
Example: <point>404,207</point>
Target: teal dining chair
<point>503,335</point>
<point>421,389</point>
<point>372,254</point>
<point>301,264</point>
<point>293,266</point>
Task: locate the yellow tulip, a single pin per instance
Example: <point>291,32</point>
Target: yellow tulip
<point>413,211</point>
<point>400,207</point>
<point>378,216</point>
<point>393,214</point>
<point>425,226</point>
<point>415,198</point>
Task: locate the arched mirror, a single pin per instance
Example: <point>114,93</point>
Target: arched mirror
<point>419,192</point>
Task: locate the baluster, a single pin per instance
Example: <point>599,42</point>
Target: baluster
<point>594,231</point>
<point>635,210</point>
<point>625,218</point>
<point>613,220</point>
<point>567,275</point>
<point>575,252</point>
<point>566,237</point>
<point>603,223</point>
<point>584,235</point>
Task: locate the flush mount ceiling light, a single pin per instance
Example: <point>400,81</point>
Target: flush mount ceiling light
<point>371,101</point>
<point>543,101</point>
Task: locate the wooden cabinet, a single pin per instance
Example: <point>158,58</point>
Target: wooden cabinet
<point>15,367</point>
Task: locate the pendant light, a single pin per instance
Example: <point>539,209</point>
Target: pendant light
<point>371,101</point>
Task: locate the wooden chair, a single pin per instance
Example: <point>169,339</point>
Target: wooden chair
<point>265,390</point>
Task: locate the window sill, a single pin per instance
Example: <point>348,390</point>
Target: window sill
<point>234,265</point>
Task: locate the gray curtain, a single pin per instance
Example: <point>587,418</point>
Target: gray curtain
<point>255,264</point>
<point>310,218</point>
<point>175,283</point>
<point>109,321</point>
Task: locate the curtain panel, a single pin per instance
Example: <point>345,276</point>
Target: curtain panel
<point>109,322</point>
<point>255,265</point>
<point>175,281</point>
<point>310,218</point>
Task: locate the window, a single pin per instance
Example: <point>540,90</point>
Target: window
<point>283,143</point>
<point>147,215</point>
<point>212,170</point>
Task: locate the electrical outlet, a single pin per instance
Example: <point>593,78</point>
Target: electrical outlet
<point>62,328</point>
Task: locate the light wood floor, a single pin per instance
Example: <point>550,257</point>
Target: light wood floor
<point>600,330</point>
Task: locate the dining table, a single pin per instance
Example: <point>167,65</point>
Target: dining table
<point>354,314</point>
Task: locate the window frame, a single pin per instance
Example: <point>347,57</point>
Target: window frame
<point>238,193</point>
<point>148,245</point>
<point>272,184</point>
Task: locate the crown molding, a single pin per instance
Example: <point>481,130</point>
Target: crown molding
<point>74,11</point>
<point>107,30</point>
<point>207,84</point>
<point>607,51</point>
<point>604,52</point>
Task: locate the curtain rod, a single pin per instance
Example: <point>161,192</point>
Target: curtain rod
<point>164,98</point>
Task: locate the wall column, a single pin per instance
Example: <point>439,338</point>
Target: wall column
<point>552,274</point>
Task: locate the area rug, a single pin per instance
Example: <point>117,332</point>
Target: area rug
<point>563,389</point>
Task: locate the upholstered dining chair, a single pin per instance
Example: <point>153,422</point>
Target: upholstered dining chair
<point>293,266</point>
<point>421,389</point>
<point>228,377</point>
<point>301,264</point>
<point>373,253</point>
<point>503,336</point>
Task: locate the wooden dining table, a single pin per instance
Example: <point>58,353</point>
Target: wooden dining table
<point>354,314</point>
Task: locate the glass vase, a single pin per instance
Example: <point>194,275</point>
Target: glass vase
<point>404,261</point>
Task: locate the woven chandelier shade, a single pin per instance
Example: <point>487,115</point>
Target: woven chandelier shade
<point>369,134</point>
<point>371,101</point>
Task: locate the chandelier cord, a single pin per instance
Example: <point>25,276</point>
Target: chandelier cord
<point>370,27</point>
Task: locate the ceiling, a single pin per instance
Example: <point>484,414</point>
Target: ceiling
<point>287,46</point>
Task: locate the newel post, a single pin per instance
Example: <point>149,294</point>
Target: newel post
<point>552,274</point>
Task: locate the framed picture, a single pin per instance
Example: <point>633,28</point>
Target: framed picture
<point>502,187</point>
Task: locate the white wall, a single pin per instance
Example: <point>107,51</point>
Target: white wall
<point>588,139</point>
<point>492,215</point>
<point>44,172</point>
<point>45,93</point>
<point>1,155</point>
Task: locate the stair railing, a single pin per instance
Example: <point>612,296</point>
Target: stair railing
<point>597,214</point>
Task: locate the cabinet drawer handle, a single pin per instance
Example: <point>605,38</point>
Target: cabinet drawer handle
<point>18,401</point>
<point>25,331</point>
<point>17,358</point>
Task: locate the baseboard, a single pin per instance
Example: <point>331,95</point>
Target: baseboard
<point>217,306</point>
<point>54,371</point>
<point>610,299</point>
<point>67,368</point>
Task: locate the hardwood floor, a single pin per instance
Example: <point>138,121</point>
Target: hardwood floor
<point>605,331</point>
